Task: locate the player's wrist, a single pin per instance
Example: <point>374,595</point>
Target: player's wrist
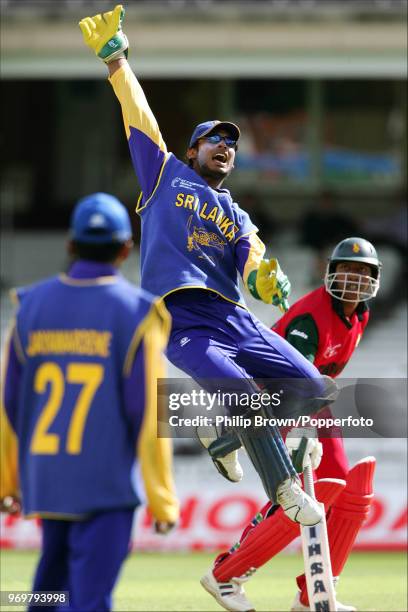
<point>114,66</point>
<point>251,284</point>
<point>116,48</point>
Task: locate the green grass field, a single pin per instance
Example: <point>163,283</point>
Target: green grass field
<point>160,582</point>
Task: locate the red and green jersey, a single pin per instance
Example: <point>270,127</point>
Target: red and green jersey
<point>317,327</point>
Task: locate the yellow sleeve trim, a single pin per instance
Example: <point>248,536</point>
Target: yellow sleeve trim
<point>245,235</point>
<point>155,454</point>
<point>140,208</point>
<point>9,481</point>
<point>135,108</point>
<point>157,310</point>
<point>255,255</point>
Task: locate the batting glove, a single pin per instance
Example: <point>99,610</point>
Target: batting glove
<point>304,448</point>
<point>103,33</point>
<point>272,285</point>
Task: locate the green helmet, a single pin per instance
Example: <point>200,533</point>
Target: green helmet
<point>364,287</point>
<point>356,249</point>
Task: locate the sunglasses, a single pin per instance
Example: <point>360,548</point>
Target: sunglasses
<point>217,138</point>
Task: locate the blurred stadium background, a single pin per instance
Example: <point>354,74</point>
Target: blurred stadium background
<point>319,90</point>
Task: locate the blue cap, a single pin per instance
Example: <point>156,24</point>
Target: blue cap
<point>202,129</point>
<point>100,219</point>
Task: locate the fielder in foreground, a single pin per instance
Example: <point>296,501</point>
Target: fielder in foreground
<point>326,327</point>
<point>195,242</point>
<point>79,399</point>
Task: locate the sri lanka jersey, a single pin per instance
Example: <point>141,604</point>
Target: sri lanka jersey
<point>81,441</point>
<point>193,236</point>
<point>191,233</point>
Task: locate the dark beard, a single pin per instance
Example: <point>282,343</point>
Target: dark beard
<point>219,175</point>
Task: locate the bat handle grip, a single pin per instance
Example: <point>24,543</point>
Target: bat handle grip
<point>308,481</point>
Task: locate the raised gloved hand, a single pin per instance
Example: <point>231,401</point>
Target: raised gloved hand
<point>103,33</point>
<point>304,448</point>
<point>272,285</point>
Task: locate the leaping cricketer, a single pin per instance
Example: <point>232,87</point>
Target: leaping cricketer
<point>195,242</point>
<point>326,327</point>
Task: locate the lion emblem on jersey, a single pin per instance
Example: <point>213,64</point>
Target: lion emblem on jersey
<point>198,238</point>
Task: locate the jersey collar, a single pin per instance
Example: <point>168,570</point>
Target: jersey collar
<point>338,309</point>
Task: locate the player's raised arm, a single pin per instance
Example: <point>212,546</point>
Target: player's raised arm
<point>103,33</point>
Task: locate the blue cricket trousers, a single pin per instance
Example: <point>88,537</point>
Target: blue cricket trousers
<point>215,341</point>
<point>84,558</point>
<point>213,338</point>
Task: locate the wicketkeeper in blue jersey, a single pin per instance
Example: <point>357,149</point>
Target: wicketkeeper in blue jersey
<point>79,444</point>
<point>196,241</point>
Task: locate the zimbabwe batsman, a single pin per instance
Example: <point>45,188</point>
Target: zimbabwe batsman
<point>79,398</point>
<point>195,242</point>
<point>325,326</point>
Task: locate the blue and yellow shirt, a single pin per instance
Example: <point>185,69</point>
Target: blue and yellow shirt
<point>80,398</point>
<point>193,236</point>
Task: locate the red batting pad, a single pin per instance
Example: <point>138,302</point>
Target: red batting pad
<point>327,490</point>
<point>346,517</point>
<point>264,540</point>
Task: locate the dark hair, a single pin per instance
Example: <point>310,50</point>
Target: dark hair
<point>188,161</point>
<point>103,253</point>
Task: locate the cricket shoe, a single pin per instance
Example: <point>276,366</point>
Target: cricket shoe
<point>298,505</point>
<point>230,595</point>
<point>297,605</point>
<point>228,466</point>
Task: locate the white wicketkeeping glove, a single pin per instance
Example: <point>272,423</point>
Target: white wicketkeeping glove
<point>304,448</point>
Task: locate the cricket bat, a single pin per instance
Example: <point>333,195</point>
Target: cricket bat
<point>316,554</point>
